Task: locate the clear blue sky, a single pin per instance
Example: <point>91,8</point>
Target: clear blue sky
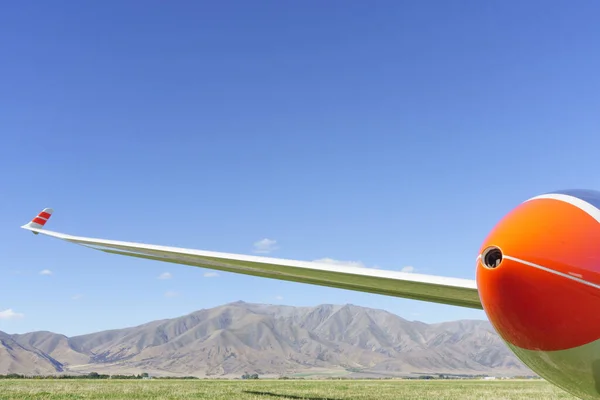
<point>393,134</point>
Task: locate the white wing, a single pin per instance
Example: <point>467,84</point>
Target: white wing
<point>437,289</point>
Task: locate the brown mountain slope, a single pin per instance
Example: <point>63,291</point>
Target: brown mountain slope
<point>53,345</point>
<point>24,359</point>
<point>275,340</point>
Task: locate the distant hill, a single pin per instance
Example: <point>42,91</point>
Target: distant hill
<point>236,338</point>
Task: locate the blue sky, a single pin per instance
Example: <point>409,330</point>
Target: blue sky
<point>393,135</point>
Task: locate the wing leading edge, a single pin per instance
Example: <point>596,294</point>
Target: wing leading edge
<point>437,289</point>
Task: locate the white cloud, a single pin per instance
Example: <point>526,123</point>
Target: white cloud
<point>408,268</point>
<point>77,296</point>
<point>278,297</point>
<point>45,272</point>
<point>265,246</point>
<point>165,275</point>
<point>10,314</point>
<point>340,262</point>
<point>170,293</point>
<point>210,274</point>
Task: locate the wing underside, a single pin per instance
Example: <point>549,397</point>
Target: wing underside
<point>452,291</point>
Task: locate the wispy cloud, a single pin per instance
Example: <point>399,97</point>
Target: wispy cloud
<point>265,246</point>
<point>278,297</point>
<point>165,275</point>
<point>171,293</point>
<point>77,296</point>
<point>408,268</point>
<point>45,272</point>
<point>10,314</point>
<point>340,262</point>
<point>210,274</point>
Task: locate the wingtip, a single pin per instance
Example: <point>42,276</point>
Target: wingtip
<point>38,222</point>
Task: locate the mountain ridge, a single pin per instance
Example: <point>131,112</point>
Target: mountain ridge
<point>270,340</point>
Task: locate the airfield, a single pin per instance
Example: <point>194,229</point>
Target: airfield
<point>279,389</point>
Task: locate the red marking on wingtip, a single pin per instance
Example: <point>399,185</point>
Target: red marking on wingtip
<point>44,215</point>
<point>39,221</point>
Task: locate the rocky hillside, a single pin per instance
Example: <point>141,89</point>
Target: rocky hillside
<point>269,340</point>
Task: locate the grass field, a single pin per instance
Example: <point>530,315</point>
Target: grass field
<point>274,389</point>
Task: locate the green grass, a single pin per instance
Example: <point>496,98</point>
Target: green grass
<point>278,390</point>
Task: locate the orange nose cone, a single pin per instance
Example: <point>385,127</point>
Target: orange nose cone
<point>539,277</point>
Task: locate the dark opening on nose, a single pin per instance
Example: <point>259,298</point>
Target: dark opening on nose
<point>492,257</point>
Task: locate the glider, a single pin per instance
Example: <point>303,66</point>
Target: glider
<point>537,279</point>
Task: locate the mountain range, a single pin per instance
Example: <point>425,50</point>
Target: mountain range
<point>270,340</point>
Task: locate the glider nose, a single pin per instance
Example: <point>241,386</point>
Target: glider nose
<point>538,276</point>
